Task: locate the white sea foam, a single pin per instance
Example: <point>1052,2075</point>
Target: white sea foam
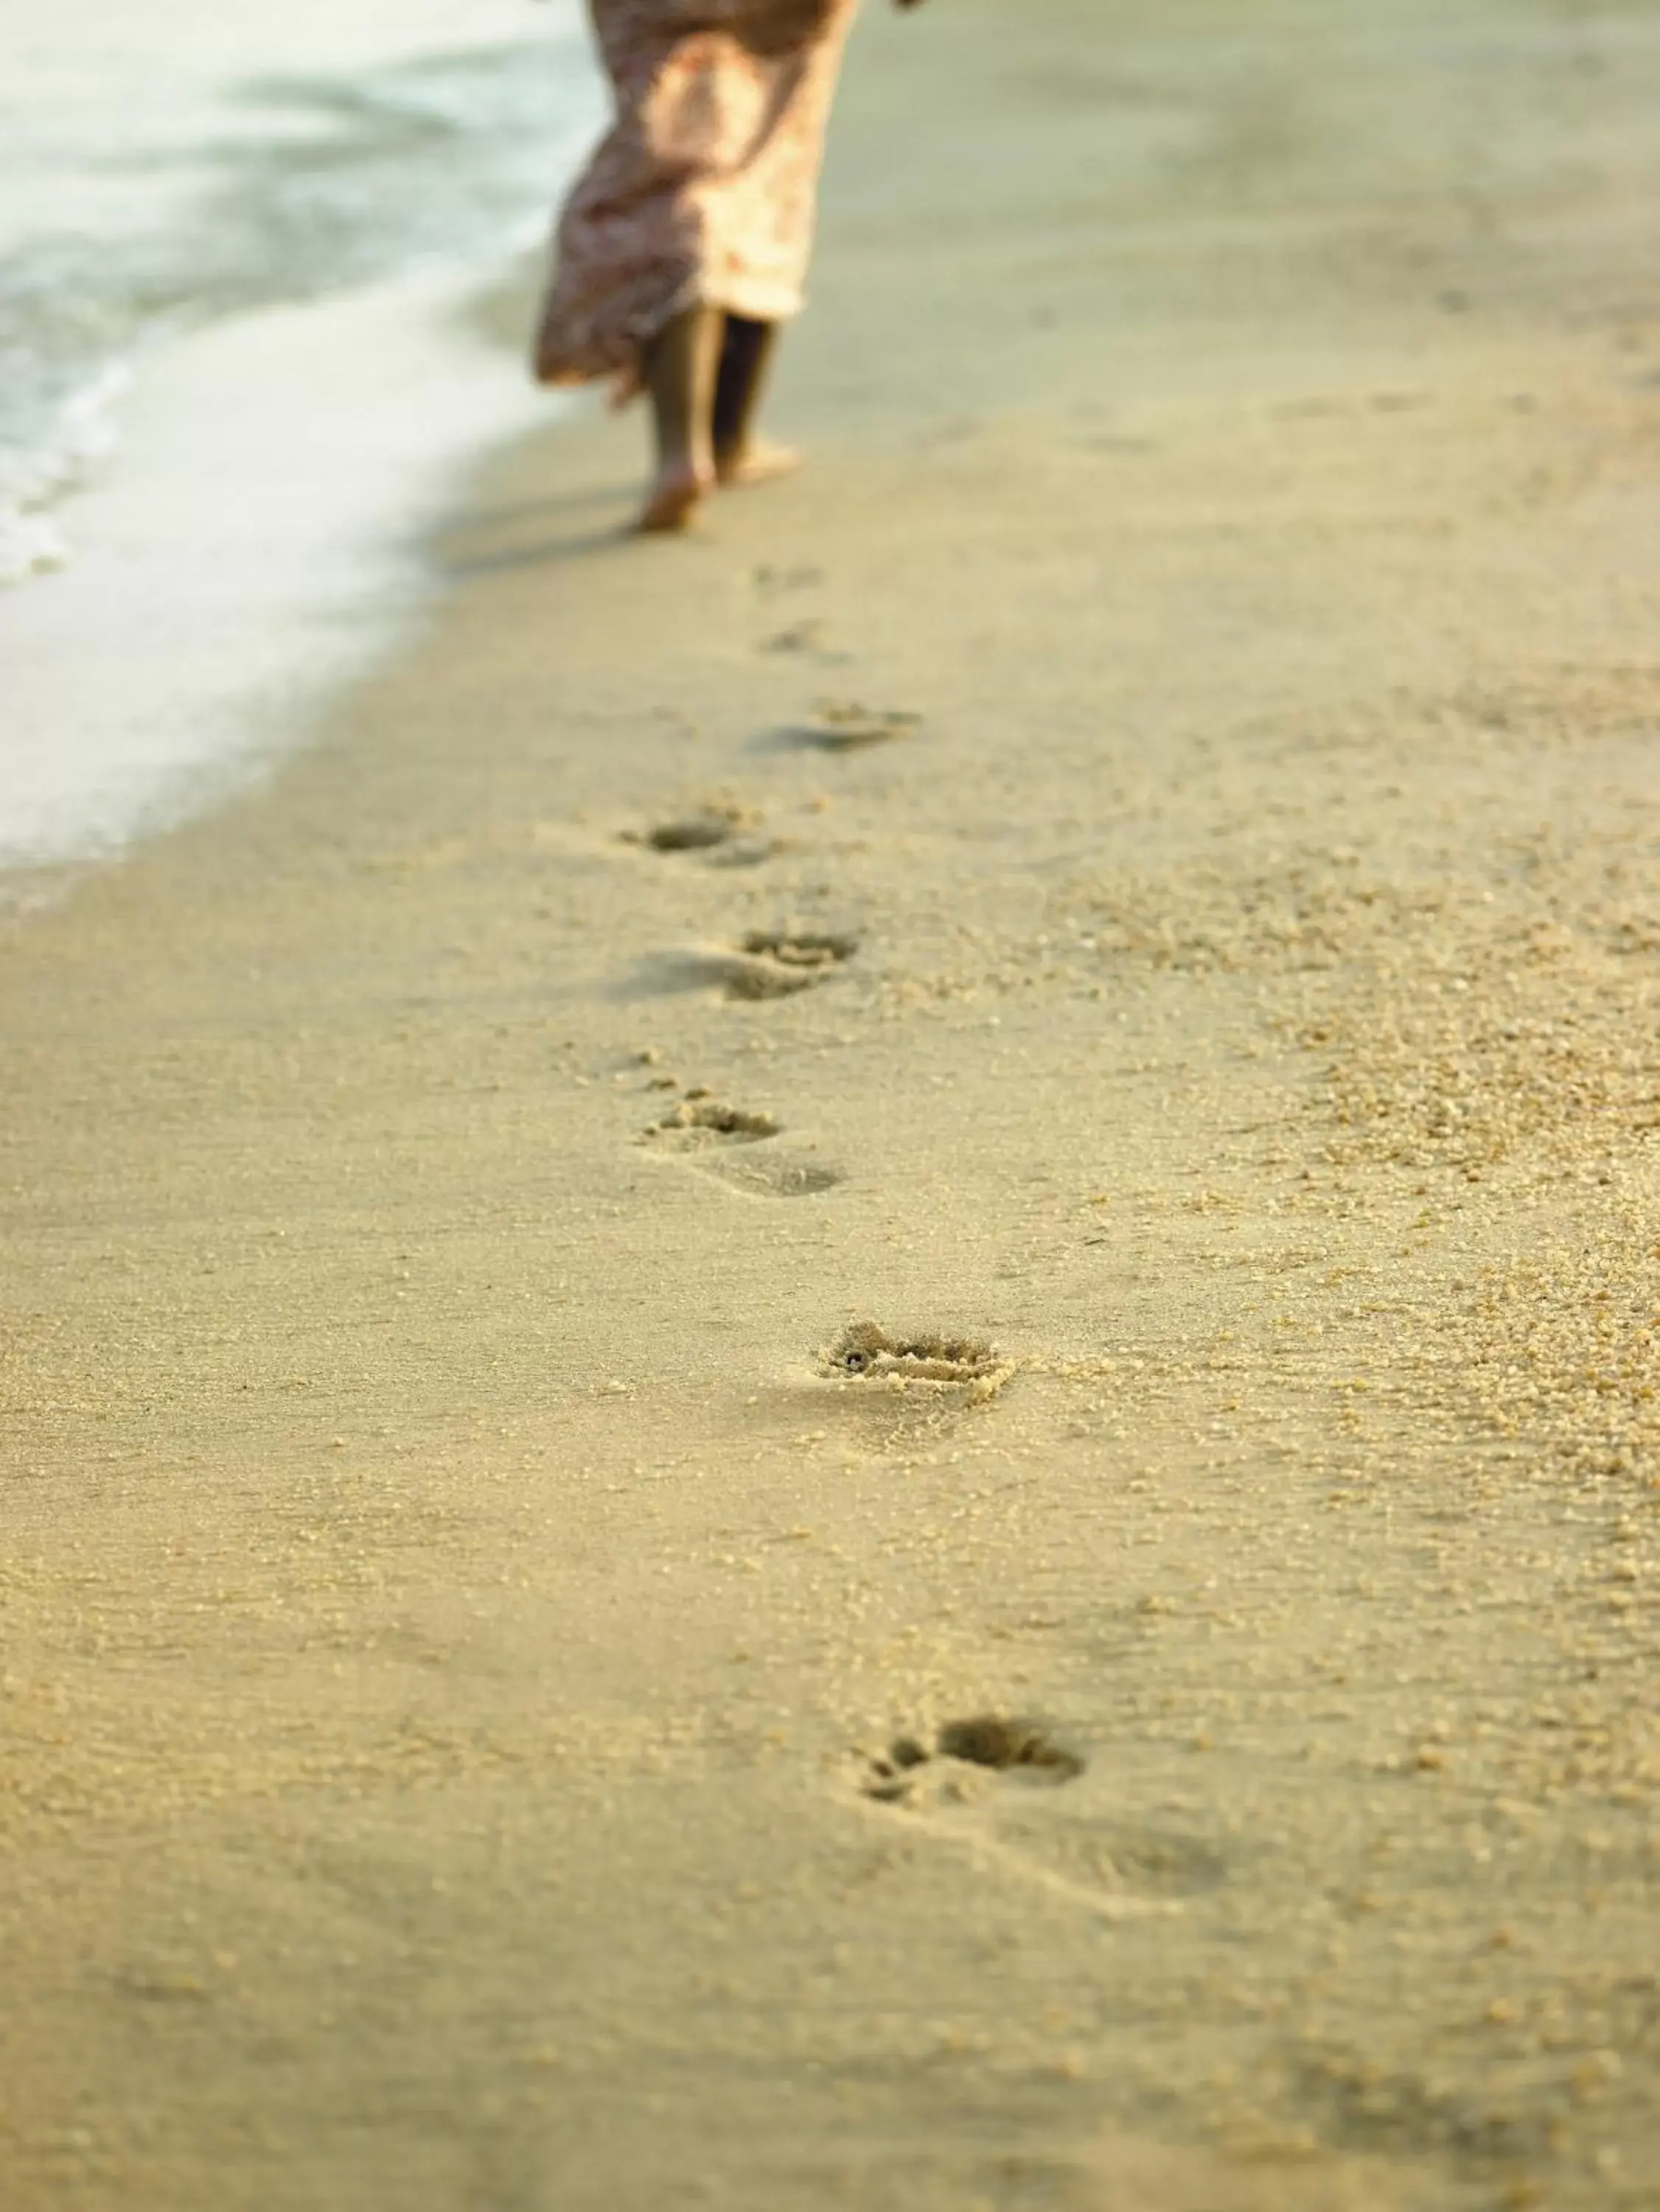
<point>78,440</point>
<point>258,545</point>
<point>231,248</point>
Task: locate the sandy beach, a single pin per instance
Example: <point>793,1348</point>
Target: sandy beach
<point>1144,858</point>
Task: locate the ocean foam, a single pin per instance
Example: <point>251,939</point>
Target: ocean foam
<point>244,166</point>
<point>259,545</point>
<point>243,246</point>
<point>83,437</point>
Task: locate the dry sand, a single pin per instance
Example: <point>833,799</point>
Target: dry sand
<point>456,1635</point>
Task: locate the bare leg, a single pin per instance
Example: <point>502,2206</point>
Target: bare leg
<point>742,457</point>
<point>681,371</point>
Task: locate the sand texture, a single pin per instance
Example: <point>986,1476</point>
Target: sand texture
<point>494,1718</point>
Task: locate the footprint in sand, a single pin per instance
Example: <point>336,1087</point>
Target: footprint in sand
<point>803,952</point>
<point>973,1784</point>
<point>768,963</point>
<point>720,1140</point>
<point>866,1354</point>
<point>808,636</point>
<point>842,725</point>
<point>776,1175</point>
<point>701,1121</point>
<point>775,964</point>
<point>992,1741</point>
<point>725,833</point>
<point>769,580</point>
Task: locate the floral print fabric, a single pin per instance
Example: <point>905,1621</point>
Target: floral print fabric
<point>704,191</point>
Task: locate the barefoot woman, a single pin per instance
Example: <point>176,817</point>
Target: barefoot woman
<point>686,243</point>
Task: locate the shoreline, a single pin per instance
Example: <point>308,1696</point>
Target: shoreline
<point>481,1696</point>
<point>231,171</point>
<point>257,312</point>
<point>256,549</point>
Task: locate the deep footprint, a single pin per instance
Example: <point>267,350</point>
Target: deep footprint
<point>1001,1744</point>
<point>701,1120</point>
<point>812,948</point>
<point>866,1351</point>
<point>774,963</point>
<point>692,833</point>
<point>716,829</point>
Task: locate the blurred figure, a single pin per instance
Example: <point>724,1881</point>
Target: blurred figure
<point>686,242</point>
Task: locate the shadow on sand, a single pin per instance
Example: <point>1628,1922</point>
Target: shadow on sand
<point>487,543</point>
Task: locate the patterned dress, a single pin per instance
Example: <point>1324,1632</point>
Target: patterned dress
<point>704,191</point>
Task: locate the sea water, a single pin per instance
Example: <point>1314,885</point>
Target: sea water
<point>233,373</point>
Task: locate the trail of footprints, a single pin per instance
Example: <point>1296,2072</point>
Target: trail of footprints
<point>963,1783</point>
<point>733,1143</point>
<point>764,964</point>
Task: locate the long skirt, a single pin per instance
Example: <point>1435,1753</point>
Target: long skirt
<point>705,189</point>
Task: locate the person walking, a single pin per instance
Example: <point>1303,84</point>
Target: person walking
<point>685,243</point>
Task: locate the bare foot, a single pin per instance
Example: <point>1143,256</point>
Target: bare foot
<point>674,498</point>
<point>757,463</point>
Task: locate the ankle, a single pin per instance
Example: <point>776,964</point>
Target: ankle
<point>696,460</point>
<point>682,469</point>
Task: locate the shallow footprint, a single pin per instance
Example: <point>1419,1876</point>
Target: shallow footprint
<point>805,637</point>
<point>775,1175</point>
<point>723,1139</point>
<point>964,1786</point>
<point>842,725</point>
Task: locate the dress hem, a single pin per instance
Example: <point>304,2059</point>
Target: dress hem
<point>626,358</point>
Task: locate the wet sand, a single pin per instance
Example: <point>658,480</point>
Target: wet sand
<point>485,1702</point>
